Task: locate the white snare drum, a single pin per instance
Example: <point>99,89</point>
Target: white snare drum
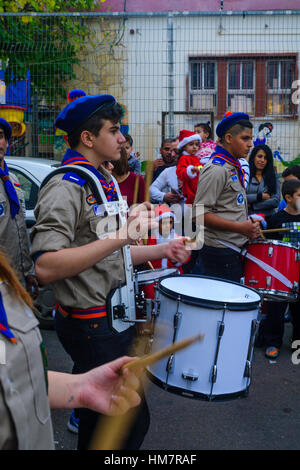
<point>226,313</point>
<point>149,276</point>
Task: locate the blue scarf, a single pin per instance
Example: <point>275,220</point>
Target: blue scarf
<point>72,157</point>
<point>227,157</point>
<point>10,191</point>
<point>4,328</point>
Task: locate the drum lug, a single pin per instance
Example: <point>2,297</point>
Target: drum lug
<point>297,256</point>
<point>214,374</point>
<point>252,281</point>
<point>170,364</point>
<point>248,370</point>
<point>190,375</point>
<point>270,251</point>
<point>268,281</point>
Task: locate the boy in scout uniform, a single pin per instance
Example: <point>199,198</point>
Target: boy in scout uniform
<point>221,189</point>
<point>74,252</point>
<point>13,235</point>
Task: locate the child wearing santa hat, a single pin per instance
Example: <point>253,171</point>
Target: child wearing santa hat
<point>162,234</point>
<point>189,165</point>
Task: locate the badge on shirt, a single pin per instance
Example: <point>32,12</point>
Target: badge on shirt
<point>91,199</point>
<point>2,210</point>
<point>234,178</point>
<point>240,199</point>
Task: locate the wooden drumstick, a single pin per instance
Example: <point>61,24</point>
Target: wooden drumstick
<point>112,431</point>
<point>149,359</point>
<point>270,230</point>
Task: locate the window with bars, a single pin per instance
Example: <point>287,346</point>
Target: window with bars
<point>258,85</point>
<point>203,93</point>
<point>280,76</point>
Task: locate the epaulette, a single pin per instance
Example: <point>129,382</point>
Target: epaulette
<point>218,161</point>
<point>74,178</point>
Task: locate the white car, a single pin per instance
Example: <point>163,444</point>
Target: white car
<point>30,173</point>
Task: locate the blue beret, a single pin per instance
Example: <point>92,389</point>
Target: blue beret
<point>229,120</point>
<point>6,127</point>
<point>80,110</point>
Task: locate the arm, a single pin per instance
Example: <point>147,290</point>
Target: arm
<point>174,250</point>
<point>103,389</point>
<point>248,228</point>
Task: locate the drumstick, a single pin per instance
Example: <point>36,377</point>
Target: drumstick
<point>270,230</point>
<point>112,431</point>
<point>167,351</point>
<point>260,230</point>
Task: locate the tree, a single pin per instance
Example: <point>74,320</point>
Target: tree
<point>23,46</point>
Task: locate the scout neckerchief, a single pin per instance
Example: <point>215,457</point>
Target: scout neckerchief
<point>75,158</point>
<point>10,191</point>
<point>4,328</point>
<point>227,157</point>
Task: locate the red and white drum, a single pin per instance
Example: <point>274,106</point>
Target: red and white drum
<point>281,258</point>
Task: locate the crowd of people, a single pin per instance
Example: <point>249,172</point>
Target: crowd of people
<point>71,248</point>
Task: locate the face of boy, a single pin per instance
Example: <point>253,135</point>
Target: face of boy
<point>108,143</point>
<point>294,201</point>
<point>239,145</point>
<point>165,226</point>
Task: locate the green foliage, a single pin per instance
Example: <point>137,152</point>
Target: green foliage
<point>47,46</point>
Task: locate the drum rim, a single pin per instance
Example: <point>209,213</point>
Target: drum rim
<point>274,242</point>
<point>285,296</point>
<point>214,304</point>
<point>151,281</point>
<point>197,395</point>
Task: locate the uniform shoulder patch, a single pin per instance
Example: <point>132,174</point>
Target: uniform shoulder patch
<point>74,178</point>
<point>218,161</point>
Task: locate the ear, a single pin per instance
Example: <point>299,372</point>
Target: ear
<point>288,198</point>
<point>86,138</point>
<point>228,138</point>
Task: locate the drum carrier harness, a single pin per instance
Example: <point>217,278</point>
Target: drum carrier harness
<point>120,303</point>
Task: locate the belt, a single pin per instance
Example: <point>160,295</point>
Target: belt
<point>82,313</point>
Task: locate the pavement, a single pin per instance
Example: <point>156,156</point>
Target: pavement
<point>267,419</point>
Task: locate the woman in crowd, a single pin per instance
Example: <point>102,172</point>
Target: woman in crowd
<point>263,190</point>
<point>132,186</point>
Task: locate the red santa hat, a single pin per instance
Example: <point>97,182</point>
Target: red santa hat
<point>162,211</point>
<point>186,137</point>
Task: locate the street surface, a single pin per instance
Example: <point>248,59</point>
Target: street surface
<point>268,419</point>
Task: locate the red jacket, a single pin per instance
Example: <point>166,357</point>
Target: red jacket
<point>189,181</point>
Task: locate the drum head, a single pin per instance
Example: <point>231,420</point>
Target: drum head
<point>209,292</point>
<point>148,277</point>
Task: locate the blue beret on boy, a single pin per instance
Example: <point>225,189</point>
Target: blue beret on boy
<point>80,110</point>
<point>229,120</point>
<point>7,128</point>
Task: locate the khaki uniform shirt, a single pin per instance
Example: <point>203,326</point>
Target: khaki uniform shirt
<point>13,234</point>
<point>222,193</point>
<point>25,421</point>
<point>68,216</point>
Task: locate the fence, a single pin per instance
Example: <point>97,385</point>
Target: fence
<point>169,71</point>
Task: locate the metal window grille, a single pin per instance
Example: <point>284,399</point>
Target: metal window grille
<point>169,70</point>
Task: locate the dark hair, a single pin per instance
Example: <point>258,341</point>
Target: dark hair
<point>206,128</point>
<point>237,129</point>
<point>167,141</point>
<point>128,139</point>
<point>121,166</point>
<point>290,187</point>
<point>292,170</point>
<point>269,174</point>
<point>111,112</point>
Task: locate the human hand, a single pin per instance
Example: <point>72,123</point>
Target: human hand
<point>265,196</point>
<point>158,162</point>
<point>172,198</point>
<point>108,390</point>
<point>141,219</point>
<point>250,229</point>
<point>176,251</point>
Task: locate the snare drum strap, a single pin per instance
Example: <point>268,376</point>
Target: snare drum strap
<point>266,267</point>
